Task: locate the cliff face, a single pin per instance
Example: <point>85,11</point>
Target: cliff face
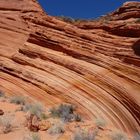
<point>93,64</point>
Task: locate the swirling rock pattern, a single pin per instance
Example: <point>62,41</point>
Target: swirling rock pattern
<point>93,64</point>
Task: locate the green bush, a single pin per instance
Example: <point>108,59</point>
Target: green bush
<point>56,129</point>
<point>67,19</point>
<point>65,112</point>
<point>18,100</point>
<point>100,122</point>
<point>77,117</point>
<point>84,135</point>
<point>44,116</point>
<point>137,137</point>
<point>118,135</point>
<point>34,109</point>
<point>6,123</point>
<point>2,94</point>
<point>33,136</point>
<point>138,20</point>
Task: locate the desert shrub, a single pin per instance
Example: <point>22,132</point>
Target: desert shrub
<point>6,123</point>
<point>118,135</point>
<point>100,122</point>
<point>62,110</point>
<point>33,136</point>
<point>137,136</point>
<point>65,112</point>
<point>27,107</point>
<point>81,20</point>
<point>34,109</point>
<point>2,94</point>
<point>77,117</point>
<point>54,112</point>
<point>44,116</point>
<point>18,100</point>
<point>57,128</point>
<point>138,20</point>
<point>84,135</point>
<point>20,108</point>
<point>67,19</point>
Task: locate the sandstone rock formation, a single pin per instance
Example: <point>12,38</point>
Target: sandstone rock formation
<point>34,124</point>
<point>94,65</point>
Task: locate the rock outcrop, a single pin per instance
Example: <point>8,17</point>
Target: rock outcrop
<point>34,124</point>
<point>94,64</point>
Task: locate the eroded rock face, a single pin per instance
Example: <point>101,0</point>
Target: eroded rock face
<point>91,64</point>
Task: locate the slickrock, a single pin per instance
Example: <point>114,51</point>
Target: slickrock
<point>94,64</point>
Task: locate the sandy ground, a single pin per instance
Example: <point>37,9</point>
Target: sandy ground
<point>20,132</point>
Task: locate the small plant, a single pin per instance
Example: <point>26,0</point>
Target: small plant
<point>27,107</point>
<point>62,110</point>
<point>138,20</point>
<point>137,136</point>
<point>100,122</point>
<point>77,117</point>
<point>20,108</point>
<point>6,123</point>
<point>56,129</point>
<point>44,116</point>
<point>84,135</point>
<point>67,19</point>
<point>65,112</point>
<point>18,100</point>
<point>2,94</point>
<point>34,109</point>
<point>118,135</point>
<point>78,20</point>
<point>33,136</point>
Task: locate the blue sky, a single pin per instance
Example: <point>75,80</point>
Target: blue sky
<point>85,9</point>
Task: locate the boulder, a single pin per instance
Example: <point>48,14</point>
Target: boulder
<point>44,125</point>
<point>33,123</point>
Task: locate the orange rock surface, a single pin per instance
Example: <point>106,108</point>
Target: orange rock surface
<point>92,64</point>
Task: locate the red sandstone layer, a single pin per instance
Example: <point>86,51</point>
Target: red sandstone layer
<point>93,64</point>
